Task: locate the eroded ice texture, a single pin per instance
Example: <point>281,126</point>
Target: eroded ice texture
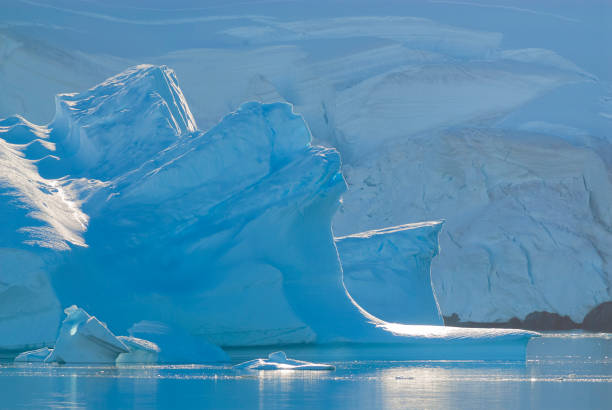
<point>279,361</point>
<point>500,127</point>
<point>140,351</point>
<point>387,271</point>
<point>38,355</point>
<point>84,339</point>
<point>225,235</point>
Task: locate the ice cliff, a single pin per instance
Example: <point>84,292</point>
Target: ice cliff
<point>387,271</point>
<point>496,119</point>
<point>122,206</point>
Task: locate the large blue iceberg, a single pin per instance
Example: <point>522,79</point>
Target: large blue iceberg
<point>123,207</point>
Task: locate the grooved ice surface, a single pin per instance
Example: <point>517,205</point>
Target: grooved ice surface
<point>225,235</point>
<point>388,272</point>
<point>495,118</point>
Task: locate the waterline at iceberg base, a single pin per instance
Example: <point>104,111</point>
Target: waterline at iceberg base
<point>122,207</point>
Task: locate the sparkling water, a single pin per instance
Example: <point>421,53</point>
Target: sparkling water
<point>563,370</point>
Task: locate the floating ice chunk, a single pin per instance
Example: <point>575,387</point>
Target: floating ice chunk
<point>174,345</point>
<point>84,339</point>
<point>38,355</point>
<point>141,351</point>
<point>279,361</point>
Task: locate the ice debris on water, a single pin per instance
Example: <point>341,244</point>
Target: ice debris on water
<point>280,361</point>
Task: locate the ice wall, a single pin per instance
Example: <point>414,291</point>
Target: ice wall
<point>488,117</point>
<point>388,272</point>
<point>223,235</point>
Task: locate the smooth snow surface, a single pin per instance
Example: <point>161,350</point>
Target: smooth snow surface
<point>279,361</point>
<point>387,271</point>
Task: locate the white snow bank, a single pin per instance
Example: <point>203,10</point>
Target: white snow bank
<point>387,271</point>
<point>279,361</point>
<point>84,339</point>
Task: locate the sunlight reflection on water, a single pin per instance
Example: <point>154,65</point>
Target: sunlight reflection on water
<point>575,372</point>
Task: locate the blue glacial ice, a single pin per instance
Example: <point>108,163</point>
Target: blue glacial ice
<point>139,351</point>
<point>152,342</point>
<point>420,100</point>
<point>84,339</point>
<point>123,206</point>
<point>388,271</point>
<point>32,356</point>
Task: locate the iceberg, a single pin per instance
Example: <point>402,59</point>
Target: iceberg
<point>38,355</point>
<point>279,361</point>
<point>140,351</point>
<point>387,271</point>
<point>84,339</point>
<point>434,118</point>
<point>165,344</point>
<point>200,238</point>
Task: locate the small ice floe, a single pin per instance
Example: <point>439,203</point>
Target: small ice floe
<point>141,351</point>
<point>38,355</point>
<point>84,339</point>
<point>279,361</point>
<point>175,345</point>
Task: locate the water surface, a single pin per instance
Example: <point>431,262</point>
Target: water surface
<point>571,370</point>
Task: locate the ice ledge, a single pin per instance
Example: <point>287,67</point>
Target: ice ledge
<point>387,271</point>
<point>393,229</point>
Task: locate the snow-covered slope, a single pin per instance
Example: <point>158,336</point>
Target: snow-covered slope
<point>387,271</point>
<point>31,69</point>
